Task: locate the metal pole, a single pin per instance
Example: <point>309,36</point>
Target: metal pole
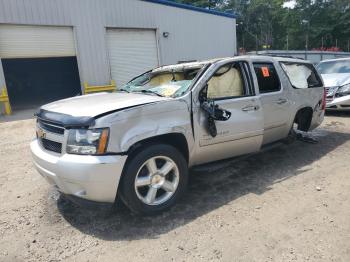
<point>306,46</point>
<point>243,41</point>
<point>307,39</point>
<point>287,42</point>
<point>256,44</point>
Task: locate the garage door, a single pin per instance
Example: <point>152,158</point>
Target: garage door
<point>131,52</point>
<point>39,64</point>
<point>17,41</point>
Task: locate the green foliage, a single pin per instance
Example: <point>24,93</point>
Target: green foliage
<point>202,3</point>
<point>310,24</point>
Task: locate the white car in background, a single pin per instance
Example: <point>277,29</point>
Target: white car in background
<point>336,78</point>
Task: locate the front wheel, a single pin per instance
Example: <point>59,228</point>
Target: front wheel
<point>154,179</point>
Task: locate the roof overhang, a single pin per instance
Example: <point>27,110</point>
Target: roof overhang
<point>192,8</point>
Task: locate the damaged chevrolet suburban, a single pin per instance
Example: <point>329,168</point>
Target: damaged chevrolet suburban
<point>139,142</point>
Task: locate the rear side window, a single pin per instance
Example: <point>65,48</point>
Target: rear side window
<point>302,75</point>
<point>267,77</point>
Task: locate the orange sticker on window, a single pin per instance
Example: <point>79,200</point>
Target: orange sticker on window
<point>265,71</point>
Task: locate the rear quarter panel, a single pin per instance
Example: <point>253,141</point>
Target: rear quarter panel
<point>305,97</point>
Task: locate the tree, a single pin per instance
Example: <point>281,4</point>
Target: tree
<point>203,3</point>
<point>310,24</point>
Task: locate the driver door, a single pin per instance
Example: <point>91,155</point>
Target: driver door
<point>231,89</point>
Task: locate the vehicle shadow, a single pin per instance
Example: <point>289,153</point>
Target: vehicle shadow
<point>208,190</point>
<point>338,113</point>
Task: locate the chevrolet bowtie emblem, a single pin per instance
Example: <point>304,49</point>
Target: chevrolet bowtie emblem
<point>41,133</point>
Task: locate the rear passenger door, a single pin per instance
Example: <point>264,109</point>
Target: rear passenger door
<point>274,100</point>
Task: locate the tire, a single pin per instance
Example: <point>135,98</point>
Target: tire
<point>292,136</point>
<point>154,179</point>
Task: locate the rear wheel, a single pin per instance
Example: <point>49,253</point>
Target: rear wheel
<point>292,135</point>
<point>154,179</point>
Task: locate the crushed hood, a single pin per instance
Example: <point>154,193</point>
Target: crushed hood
<point>331,80</point>
<point>100,103</point>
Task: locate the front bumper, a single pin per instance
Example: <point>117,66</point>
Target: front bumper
<point>94,178</point>
<point>339,103</point>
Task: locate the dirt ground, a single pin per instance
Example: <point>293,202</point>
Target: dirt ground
<point>291,203</point>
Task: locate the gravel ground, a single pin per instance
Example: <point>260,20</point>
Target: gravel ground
<point>290,203</point>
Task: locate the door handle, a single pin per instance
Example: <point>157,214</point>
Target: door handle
<point>250,108</point>
<point>281,101</point>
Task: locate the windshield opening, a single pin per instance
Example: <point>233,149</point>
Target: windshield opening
<point>168,83</point>
<point>334,67</point>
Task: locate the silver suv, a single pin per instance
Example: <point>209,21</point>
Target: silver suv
<point>138,143</point>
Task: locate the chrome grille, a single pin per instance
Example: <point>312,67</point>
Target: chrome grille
<point>327,90</point>
<point>51,145</point>
<point>51,127</point>
<point>50,135</point>
<point>330,92</point>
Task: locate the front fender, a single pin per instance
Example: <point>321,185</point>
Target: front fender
<point>137,124</point>
<point>130,140</point>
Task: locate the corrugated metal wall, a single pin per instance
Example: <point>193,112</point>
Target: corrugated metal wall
<point>193,35</point>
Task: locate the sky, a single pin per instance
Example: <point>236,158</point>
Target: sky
<point>289,4</point>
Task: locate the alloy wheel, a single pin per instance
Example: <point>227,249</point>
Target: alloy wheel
<point>157,180</point>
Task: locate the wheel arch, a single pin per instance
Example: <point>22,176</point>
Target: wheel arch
<point>177,140</point>
<point>303,118</point>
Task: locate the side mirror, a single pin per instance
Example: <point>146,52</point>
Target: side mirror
<point>215,112</point>
<point>221,114</point>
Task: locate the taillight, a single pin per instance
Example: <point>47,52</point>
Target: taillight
<point>324,99</point>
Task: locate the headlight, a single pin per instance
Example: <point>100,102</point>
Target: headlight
<point>344,90</point>
<point>87,141</point>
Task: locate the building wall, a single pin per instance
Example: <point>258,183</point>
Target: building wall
<point>193,35</point>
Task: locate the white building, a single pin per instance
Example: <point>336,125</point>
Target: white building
<point>49,48</point>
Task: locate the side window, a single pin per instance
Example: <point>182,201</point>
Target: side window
<point>226,82</point>
<point>267,77</point>
<point>301,75</point>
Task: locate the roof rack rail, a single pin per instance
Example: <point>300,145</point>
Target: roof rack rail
<point>284,56</point>
<point>186,61</point>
